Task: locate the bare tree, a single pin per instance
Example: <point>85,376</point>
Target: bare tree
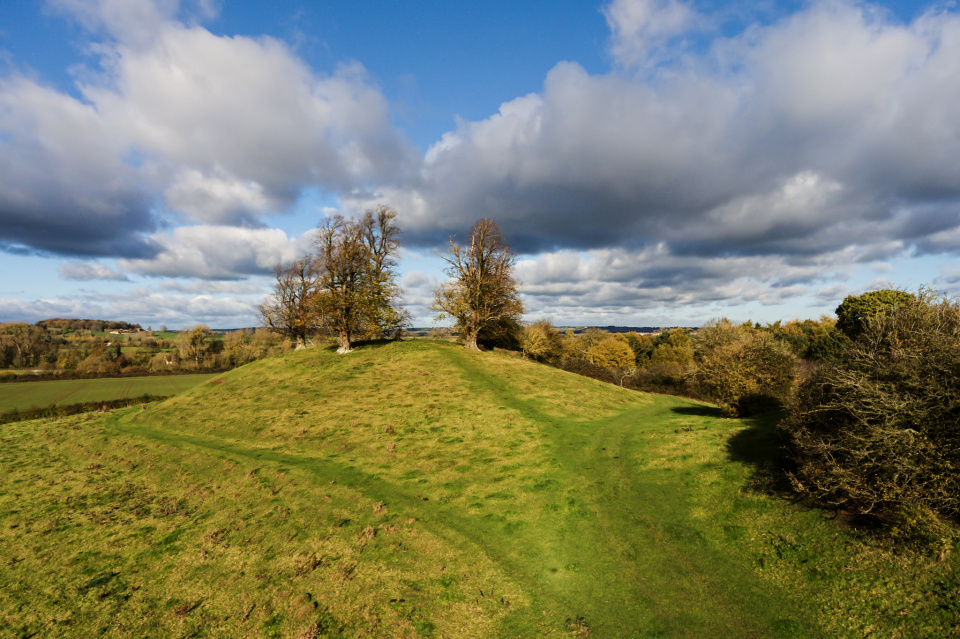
<point>292,311</point>
<point>380,233</point>
<point>356,275</point>
<point>482,295</point>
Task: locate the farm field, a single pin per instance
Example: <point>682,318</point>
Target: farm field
<point>23,395</point>
<point>414,489</point>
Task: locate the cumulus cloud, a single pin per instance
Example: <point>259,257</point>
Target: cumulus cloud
<point>218,252</point>
<point>64,187</point>
<point>178,124</point>
<point>640,27</point>
<point>570,282</point>
<point>85,271</point>
<point>144,306</point>
<point>745,169</point>
<point>832,132</point>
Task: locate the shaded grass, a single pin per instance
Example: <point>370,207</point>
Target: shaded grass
<point>78,391</point>
<point>415,489</point>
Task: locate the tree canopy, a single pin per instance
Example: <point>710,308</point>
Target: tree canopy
<point>856,310</point>
<point>482,295</point>
<point>358,293</point>
<point>292,311</point>
<point>347,287</point>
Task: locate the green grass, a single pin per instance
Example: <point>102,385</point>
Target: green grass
<point>418,490</point>
<point>23,395</point>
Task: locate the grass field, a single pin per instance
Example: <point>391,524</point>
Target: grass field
<point>23,395</point>
<point>418,490</point>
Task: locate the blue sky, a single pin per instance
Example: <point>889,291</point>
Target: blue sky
<point>653,162</point>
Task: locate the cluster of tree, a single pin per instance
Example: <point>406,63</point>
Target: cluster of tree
<point>745,368</point>
<point>92,325</point>
<point>57,346</point>
<point>346,288</point>
<point>876,431</point>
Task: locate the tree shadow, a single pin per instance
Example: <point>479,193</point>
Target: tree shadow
<point>762,447</point>
<point>698,411</point>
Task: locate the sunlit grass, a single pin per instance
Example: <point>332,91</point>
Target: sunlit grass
<point>415,489</point>
<point>23,395</point>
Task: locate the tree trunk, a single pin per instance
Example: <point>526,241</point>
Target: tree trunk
<point>471,342</point>
<point>344,343</point>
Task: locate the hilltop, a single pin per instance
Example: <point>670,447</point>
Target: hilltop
<point>416,489</point>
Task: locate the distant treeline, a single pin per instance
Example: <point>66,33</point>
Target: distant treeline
<point>746,368</point>
<point>86,348</point>
<point>96,326</point>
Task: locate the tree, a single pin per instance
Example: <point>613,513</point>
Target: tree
<point>193,343</point>
<point>856,310</point>
<point>611,353</point>
<point>541,341</point>
<point>482,295</point>
<point>384,314</point>
<point>356,276</point>
<point>292,311</point>
<point>22,345</point>
<point>746,371</point>
<point>879,432</point>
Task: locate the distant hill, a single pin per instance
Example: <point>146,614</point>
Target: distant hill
<point>68,324</point>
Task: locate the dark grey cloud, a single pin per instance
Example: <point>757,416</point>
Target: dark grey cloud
<point>64,187</point>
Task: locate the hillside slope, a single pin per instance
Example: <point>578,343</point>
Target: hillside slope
<point>414,489</point>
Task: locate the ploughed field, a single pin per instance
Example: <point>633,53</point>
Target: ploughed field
<point>414,489</point>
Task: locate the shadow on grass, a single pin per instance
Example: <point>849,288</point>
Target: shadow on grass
<point>762,446</point>
<point>698,411</point>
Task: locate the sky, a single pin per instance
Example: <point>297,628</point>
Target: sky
<point>651,162</point>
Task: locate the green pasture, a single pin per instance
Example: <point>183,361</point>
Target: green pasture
<point>414,489</point>
<point>23,395</point>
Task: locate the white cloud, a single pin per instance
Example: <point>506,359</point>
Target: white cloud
<point>833,128</point>
<point>224,252</point>
<point>218,199</point>
<point>85,271</point>
<point>134,21</point>
<point>213,129</point>
<point>638,27</point>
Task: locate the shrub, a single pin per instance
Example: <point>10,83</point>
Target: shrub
<point>611,352</point>
<point>744,370</point>
<point>879,433</point>
<point>856,311</point>
<point>662,378</point>
<point>588,369</point>
<point>541,341</point>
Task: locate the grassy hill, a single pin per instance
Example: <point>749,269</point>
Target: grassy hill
<point>418,490</point>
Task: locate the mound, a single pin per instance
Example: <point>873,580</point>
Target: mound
<point>409,489</point>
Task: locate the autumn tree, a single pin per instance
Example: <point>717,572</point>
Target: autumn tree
<point>380,234</point>
<point>611,353</point>
<point>541,341</point>
<point>482,295</point>
<point>193,343</point>
<point>357,292</point>
<point>292,310</point>
<point>745,370</point>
